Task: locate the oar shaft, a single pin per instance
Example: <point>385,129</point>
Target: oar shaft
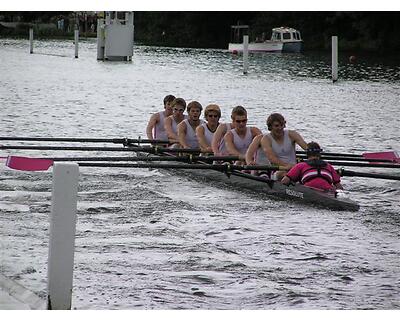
<point>151,149</point>
<point>340,158</point>
<point>146,158</point>
<point>220,167</point>
<point>338,154</point>
<point>94,140</point>
<point>365,165</point>
<point>349,173</point>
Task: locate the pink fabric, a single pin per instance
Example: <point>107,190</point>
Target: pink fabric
<point>296,173</point>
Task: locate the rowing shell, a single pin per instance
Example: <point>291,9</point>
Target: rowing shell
<point>261,185</point>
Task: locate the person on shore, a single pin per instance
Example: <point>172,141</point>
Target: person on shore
<point>155,127</point>
<point>206,131</point>
<point>237,140</point>
<point>280,144</point>
<point>171,123</point>
<point>187,128</point>
<point>314,172</point>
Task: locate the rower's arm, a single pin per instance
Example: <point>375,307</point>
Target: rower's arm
<point>297,138</point>
<point>168,129</point>
<point>230,146</point>
<point>182,135</point>
<point>151,124</point>
<point>255,131</point>
<point>252,149</point>
<point>217,137</point>
<point>204,146</point>
<point>272,157</point>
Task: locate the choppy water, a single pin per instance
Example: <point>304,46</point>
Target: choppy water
<point>153,240</point>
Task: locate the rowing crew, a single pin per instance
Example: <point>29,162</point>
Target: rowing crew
<point>278,147</point>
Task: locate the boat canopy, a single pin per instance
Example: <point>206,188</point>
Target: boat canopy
<point>285,34</point>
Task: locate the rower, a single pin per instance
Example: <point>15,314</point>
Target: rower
<point>280,144</point>
<point>218,143</point>
<point>314,172</point>
<point>256,156</point>
<point>155,127</point>
<point>187,128</point>
<point>171,123</point>
<point>237,140</point>
<point>205,132</point>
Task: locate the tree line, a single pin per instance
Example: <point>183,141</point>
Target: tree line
<point>375,31</point>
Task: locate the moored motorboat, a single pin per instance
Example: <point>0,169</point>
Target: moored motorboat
<point>283,39</point>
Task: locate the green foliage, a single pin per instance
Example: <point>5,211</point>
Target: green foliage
<point>356,30</point>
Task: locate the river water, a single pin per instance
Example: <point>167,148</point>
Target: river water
<point>149,239</point>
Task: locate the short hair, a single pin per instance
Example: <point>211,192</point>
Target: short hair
<point>238,111</point>
<point>275,117</point>
<point>313,149</point>
<point>168,98</point>
<point>194,104</point>
<point>179,101</point>
<point>212,107</point>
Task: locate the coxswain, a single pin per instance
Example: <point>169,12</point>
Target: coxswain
<point>205,131</point>
<point>314,172</point>
<point>187,128</point>
<point>155,127</point>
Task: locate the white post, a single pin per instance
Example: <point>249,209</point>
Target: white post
<point>30,40</point>
<point>62,235</point>
<point>108,17</point>
<point>334,58</point>
<point>245,54</point>
<point>100,39</point>
<point>76,39</point>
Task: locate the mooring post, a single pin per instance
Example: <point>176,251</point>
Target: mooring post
<point>30,40</point>
<point>245,53</point>
<point>62,235</point>
<point>334,58</point>
<point>76,39</point>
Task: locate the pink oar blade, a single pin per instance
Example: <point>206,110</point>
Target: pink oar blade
<point>28,164</point>
<point>387,155</point>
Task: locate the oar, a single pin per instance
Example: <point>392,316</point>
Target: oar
<point>39,164</point>
<point>188,158</point>
<point>365,165</point>
<point>150,149</point>
<point>342,172</point>
<point>340,158</point>
<point>392,156</point>
<point>124,141</point>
